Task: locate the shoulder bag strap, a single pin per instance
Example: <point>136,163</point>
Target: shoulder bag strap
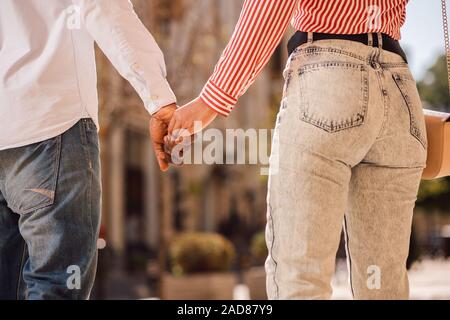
<point>446,37</point>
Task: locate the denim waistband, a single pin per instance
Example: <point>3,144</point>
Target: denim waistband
<point>389,44</point>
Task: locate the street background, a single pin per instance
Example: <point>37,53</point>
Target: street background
<point>197,232</point>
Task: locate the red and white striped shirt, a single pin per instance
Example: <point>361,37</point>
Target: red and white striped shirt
<point>262,24</point>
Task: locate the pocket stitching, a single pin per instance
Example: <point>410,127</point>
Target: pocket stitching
<point>413,128</point>
<point>318,50</point>
<point>50,201</point>
<point>356,119</point>
<point>84,132</point>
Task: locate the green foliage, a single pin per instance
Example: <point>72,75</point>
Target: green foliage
<point>195,188</point>
<point>435,194</point>
<point>431,189</point>
<point>433,91</point>
<point>433,88</point>
<point>258,246</point>
<point>200,252</point>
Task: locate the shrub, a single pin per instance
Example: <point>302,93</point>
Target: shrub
<point>200,252</point>
<point>258,247</point>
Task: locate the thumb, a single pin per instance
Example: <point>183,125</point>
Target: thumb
<point>163,165</point>
<point>161,157</point>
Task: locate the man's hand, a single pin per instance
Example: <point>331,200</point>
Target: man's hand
<point>184,118</point>
<point>158,130</point>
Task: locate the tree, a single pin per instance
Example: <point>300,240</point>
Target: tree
<point>433,88</point>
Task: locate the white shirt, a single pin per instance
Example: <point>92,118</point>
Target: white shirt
<point>47,65</point>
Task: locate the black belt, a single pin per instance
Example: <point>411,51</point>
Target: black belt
<point>389,44</point>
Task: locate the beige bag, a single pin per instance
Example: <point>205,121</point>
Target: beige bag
<point>438,126</point>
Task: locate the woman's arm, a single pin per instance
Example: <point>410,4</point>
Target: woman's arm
<point>259,30</point>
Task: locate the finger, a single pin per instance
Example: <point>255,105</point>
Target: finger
<point>179,131</point>
<point>168,145</point>
<point>187,144</point>
<point>163,163</point>
<point>177,151</point>
<point>161,156</point>
<point>173,124</point>
<point>184,143</point>
<point>171,154</point>
<point>168,159</point>
<point>180,134</point>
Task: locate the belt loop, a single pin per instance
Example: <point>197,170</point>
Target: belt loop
<point>380,40</point>
<point>310,37</point>
<point>370,39</point>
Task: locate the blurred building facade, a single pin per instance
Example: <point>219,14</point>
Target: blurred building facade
<point>144,208</point>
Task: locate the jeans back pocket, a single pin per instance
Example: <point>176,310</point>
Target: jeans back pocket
<point>407,86</point>
<point>32,173</point>
<point>333,95</point>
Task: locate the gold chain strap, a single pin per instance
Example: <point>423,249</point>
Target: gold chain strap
<point>446,36</point>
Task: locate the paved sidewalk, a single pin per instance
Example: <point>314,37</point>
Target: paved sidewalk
<point>429,279</point>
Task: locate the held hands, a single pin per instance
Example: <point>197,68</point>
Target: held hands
<point>190,119</point>
<point>158,130</point>
<point>171,126</point>
<point>185,123</point>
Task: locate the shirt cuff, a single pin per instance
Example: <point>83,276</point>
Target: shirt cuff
<point>217,99</point>
<point>161,95</point>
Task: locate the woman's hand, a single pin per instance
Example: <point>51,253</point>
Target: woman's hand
<point>190,119</point>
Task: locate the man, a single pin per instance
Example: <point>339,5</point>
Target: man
<point>49,154</point>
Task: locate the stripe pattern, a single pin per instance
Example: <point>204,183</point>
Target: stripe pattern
<point>262,24</point>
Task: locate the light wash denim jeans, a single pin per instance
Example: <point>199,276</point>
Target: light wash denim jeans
<point>49,216</point>
<point>349,149</point>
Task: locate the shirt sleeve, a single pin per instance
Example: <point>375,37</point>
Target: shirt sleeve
<point>259,30</point>
<point>129,46</point>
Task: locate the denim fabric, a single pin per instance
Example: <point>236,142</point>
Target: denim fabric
<point>50,216</point>
<point>349,148</point>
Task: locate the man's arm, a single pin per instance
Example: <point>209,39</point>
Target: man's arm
<point>133,51</point>
<point>259,30</point>
<point>129,46</point>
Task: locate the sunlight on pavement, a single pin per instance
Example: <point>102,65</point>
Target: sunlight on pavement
<point>429,279</point>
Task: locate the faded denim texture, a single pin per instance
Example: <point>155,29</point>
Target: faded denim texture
<point>50,215</point>
<point>349,148</point>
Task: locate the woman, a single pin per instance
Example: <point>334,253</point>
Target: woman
<point>350,141</point>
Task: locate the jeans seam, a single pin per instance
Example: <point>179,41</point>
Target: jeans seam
<point>21,265</point>
<point>305,148</point>
<point>386,103</point>
<point>415,165</point>
<point>390,65</point>
<point>82,132</point>
<point>347,247</point>
<point>271,254</point>
<point>332,63</point>
<point>83,129</point>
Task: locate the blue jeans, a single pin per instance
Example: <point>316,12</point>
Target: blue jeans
<point>50,215</point>
<point>349,148</point>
